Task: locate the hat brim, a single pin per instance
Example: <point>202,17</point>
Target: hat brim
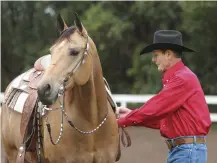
<point>165,46</point>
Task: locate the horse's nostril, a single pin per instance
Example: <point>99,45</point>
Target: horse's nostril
<point>47,89</point>
<point>45,94</point>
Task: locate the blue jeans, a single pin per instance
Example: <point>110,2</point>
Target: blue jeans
<point>188,153</point>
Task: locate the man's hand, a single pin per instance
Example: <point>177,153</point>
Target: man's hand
<point>123,112</point>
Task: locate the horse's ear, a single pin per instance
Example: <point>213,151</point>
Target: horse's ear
<point>79,25</point>
<point>61,25</point>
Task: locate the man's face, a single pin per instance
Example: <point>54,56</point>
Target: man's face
<point>161,59</point>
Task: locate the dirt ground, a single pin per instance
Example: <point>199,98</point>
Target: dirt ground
<point>149,147</point>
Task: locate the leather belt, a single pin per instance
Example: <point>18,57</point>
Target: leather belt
<point>171,143</point>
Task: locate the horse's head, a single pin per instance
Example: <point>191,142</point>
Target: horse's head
<point>70,63</point>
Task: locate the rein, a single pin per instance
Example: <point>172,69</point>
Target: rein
<point>79,62</point>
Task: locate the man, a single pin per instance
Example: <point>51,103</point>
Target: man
<point>179,110</point>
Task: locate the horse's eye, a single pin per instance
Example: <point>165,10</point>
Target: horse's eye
<point>74,52</point>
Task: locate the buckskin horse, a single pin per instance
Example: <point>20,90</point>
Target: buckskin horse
<point>59,111</point>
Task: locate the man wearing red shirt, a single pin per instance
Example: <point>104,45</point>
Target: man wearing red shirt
<point>179,110</point>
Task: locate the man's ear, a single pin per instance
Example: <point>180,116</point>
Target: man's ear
<point>169,53</point>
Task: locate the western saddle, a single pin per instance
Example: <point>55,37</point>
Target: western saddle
<point>21,95</point>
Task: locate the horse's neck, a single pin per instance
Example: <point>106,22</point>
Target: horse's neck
<point>89,101</point>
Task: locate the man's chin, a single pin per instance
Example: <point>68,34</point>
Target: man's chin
<point>161,69</point>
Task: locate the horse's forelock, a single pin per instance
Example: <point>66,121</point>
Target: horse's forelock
<point>65,34</point>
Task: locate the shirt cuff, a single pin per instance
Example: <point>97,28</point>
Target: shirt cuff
<point>123,122</point>
<point>126,121</point>
<point>132,113</point>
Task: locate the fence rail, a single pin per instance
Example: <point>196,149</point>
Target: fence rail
<point>125,99</point>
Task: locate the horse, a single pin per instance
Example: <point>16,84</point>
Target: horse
<point>71,103</point>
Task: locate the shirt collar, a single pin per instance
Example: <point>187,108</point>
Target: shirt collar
<point>172,70</point>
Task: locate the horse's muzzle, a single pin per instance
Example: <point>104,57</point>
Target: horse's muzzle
<point>46,94</point>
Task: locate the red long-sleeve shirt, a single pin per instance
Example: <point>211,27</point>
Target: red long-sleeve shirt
<point>179,109</point>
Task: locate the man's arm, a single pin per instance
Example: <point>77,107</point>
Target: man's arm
<point>153,125</point>
<point>123,112</point>
<point>173,95</point>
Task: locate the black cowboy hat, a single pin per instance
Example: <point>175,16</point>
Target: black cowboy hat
<point>166,39</point>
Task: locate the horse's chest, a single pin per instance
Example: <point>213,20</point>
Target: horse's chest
<point>85,157</point>
<point>72,158</point>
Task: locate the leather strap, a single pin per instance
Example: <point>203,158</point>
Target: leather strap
<point>125,138</point>
<point>124,134</point>
<point>181,141</point>
<point>33,157</point>
<point>27,111</point>
<point>118,156</point>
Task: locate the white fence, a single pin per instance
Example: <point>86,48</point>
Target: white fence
<point>124,99</point>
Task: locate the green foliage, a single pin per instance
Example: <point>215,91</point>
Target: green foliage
<point>120,30</point>
<point>200,25</point>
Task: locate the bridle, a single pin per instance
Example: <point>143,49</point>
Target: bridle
<point>61,94</point>
<point>79,62</point>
